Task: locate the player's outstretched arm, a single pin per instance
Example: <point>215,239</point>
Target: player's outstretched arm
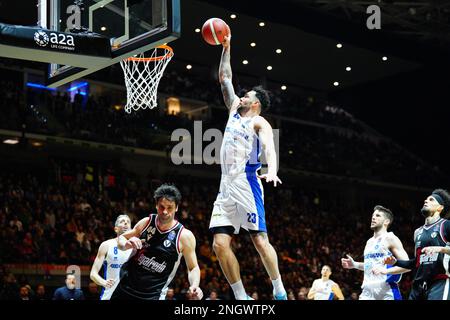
<point>264,129</point>
<point>188,243</point>
<point>97,265</point>
<point>436,249</point>
<point>130,240</point>
<point>349,263</point>
<point>225,77</point>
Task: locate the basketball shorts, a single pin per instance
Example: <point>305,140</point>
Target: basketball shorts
<point>381,291</point>
<point>240,203</point>
<point>437,290</point>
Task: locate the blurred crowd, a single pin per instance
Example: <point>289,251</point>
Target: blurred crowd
<point>343,148</point>
<point>63,222</point>
<point>62,218</point>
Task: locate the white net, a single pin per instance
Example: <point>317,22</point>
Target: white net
<point>142,76</point>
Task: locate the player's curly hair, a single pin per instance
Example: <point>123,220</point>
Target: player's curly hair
<point>445,198</point>
<point>169,192</point>
<point>263,97</point>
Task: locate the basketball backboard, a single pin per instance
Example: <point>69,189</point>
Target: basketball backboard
<point>133,26</point>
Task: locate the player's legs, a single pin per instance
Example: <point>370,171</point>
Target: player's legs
<point>270,260</point>
<point>224,222</point>
<point>439,290</point>
<point>247,190</point>
<point>267,253</point>
<point>391,292</point>
<point>227,260</point>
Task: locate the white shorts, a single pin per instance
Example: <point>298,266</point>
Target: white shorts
<point>239,203</point>
<point>381,291</point>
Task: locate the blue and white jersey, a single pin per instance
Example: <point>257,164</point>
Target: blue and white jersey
<point>114,260</point>
<point>240,148</point>
<point>323,289</point>
<point>374,253</point>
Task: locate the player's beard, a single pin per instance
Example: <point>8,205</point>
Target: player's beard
<point>71,286</point>
<point>242,109</point>
<point>425,212</point>
<point>375,228</point>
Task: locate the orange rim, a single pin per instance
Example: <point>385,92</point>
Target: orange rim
<point>167,55</point>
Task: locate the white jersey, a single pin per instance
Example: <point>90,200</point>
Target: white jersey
<point>114,260</point>
<point>240,148</point>
<point>374,253</point>
<point>323,289</point>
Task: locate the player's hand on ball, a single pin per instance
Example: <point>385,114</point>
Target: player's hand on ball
<point>109,283</point>
<point>271,178</point>
<point>226,41</point>
<point>134,243</point>
<point>195,293</point>
<point>390,260</point>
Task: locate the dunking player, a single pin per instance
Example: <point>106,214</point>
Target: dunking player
<point>377,286</point>
<point>432,251</point>
<point>160,241</point>
<point>111,258</point>
<point>325,288</point>
<point>240,200</point>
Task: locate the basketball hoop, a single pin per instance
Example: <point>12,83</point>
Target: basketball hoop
<point>142,76</point>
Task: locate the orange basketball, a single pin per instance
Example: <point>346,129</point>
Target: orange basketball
<point>214,30</point>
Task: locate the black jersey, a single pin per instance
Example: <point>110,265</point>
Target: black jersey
<point>435,266</point>
<point>149,272</point>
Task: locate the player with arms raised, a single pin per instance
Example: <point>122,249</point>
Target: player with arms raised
<point>240,200</point>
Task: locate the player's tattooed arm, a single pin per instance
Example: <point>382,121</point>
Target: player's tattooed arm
<point>229,97</point>
<point>226,76</point>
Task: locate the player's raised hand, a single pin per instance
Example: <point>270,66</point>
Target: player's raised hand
<point>390,260</point>
<point>348,263</point>
<point>226,41</point>
<point>134,243</point>
<point>270,177</point>
<point>109,283</point>
<point>195,293</point>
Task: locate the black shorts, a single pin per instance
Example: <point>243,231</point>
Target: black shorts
<point>437,290</point>
<point>120,294</point>
<point>230,230</point>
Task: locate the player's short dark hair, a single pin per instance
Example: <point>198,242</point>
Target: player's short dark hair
<point>168,191</point>
<point>263,97</point>
<point>387,213</point>
<point>445,197</point>
<point>328,266</point>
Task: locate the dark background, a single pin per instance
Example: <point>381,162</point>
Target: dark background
<point>405,98</point>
